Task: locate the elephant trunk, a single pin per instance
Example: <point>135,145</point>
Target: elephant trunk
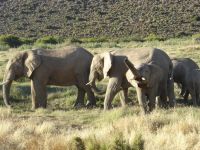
<point>94,87</point>
<point>7,82</point>
<point>136,74</point>
<point>6,93</point>
<point>142,82</point>
<point>142,100</point>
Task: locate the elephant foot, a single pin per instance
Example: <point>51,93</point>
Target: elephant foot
<point>9,106</point>
<point>90,105</point>
<point>78,105</point>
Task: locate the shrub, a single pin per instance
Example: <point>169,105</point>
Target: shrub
<point>74,40</point>
<point>136,38</point>
<point>153,37</point>
<point>49,40</point>
<point>92,39</point>
<point>27,41</point>
<point>10,40</point>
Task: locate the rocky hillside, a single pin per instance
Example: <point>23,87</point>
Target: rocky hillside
<point>99,18</point>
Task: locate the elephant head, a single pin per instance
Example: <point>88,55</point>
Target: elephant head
<point>140,75</point>
<point>146,74</point>
<point>99,69</point>
<point>22,64</point>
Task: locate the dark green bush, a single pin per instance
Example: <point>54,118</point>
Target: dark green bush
<point>10,40</point>
<point>49,40</point>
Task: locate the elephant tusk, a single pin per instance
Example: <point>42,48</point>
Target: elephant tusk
<point>89,83</point>
<point>143,79</point>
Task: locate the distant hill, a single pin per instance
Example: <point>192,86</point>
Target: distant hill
<point>99,18</point>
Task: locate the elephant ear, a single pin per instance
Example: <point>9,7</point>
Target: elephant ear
<point>107,63</point>
<point>32,61</point>
<point>156,74</point>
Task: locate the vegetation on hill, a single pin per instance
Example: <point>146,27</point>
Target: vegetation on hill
<point>100,18</point>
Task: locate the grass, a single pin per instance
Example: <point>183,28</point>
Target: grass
<point>61,127</point>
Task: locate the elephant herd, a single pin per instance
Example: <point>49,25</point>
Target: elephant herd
<point>149,70</point>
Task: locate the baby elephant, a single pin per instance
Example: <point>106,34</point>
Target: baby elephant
<point>181,68</point>
<point>193,85</point>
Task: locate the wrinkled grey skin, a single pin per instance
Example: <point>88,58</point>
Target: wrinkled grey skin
<point>193,86</point>
<point>181,68</point>
<point>113,66</point>
<point>66,67</point>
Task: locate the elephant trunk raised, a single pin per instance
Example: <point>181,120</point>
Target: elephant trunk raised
<point>142,82</point>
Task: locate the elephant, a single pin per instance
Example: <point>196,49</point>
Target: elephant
<point>181,68</point>
<point>112,65</point>
<point>193,86</point>
<point>66,67</point>
<point>148,85</point>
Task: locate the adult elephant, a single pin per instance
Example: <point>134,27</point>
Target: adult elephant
<point>112,65</point>
<point>181,68</point>
<point>193,86</point>
<point>66,67</point>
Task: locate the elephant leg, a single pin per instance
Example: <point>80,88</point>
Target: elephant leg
<point>113,87</point>
<point>124,97</point>
<point>142,99</point>
<point>80,98</point>
<point>186,96</point>
<point>152,100</point>
<point>183,90</point>
<point>163,97</point>
<point>82,80</point>
<point>197,95</point>
<point>193,95</point>
<point>91,98</point>
<point>39,96</point>
<point>170,91</point>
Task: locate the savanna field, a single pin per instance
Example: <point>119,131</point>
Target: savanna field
<point>61,127</point>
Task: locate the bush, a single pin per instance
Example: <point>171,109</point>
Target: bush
<point>10,40</point>
<point>75,40</point>
<point>153,37</point>
<point>49,40</point>
<point>27,41</point>
<point>94,40</point>
<point>136,38</point>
